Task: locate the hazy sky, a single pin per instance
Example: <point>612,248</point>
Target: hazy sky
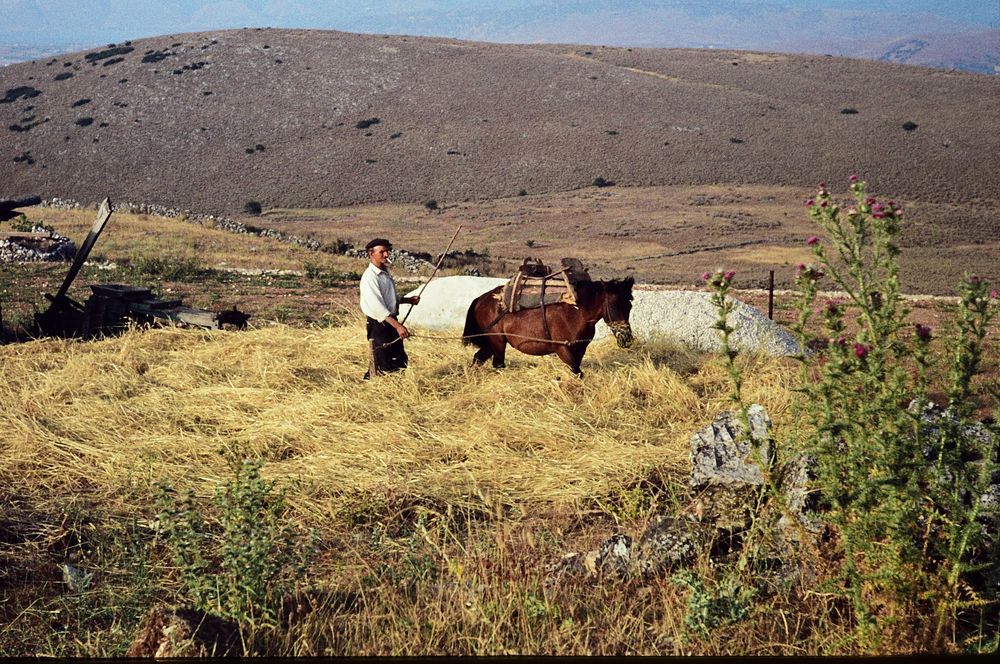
<point>48,22</point>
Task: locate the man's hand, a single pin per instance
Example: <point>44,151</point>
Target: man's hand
<point>403,332</point>
<point>412,300</point>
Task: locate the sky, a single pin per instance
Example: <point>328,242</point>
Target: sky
<point>94,22</point>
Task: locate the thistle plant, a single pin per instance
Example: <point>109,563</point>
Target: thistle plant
<point>719,283</point>
<point>904,524</point>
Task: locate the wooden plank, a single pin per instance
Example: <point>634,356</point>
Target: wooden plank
<point>103,214</point>
<point>24,235</point>
<point>178,315</point>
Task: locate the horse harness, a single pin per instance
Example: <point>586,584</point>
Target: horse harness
<point>533,274</point>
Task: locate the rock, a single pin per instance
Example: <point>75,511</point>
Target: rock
<point>684,316</point>
<point>166,632</point>
<point>669,543</point>
<point>723,454</point>
<point>795,483</point>
<point>75,578</point>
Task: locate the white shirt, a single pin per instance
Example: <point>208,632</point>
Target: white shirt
<point>379,298</point>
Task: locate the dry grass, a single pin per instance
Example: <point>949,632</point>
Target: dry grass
<point>539,459</point>
<point>107,417</point>
<point>130,236</point>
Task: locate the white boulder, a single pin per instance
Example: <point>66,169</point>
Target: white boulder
<point>686,316</point>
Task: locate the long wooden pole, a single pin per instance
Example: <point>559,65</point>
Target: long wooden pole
<point>436,267</point>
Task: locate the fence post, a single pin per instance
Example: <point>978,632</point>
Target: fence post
<point>770,295</point>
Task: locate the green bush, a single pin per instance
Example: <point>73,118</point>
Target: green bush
<point>167,268</point>
<point>249,555</point>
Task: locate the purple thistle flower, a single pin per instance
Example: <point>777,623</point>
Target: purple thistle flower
<point>923,332</point>
<point>810,202</point>
<point>728,276</point>
<point>861,350</point>
<point>823,204</point>
<point>706,276</point>
<point>852,179</point>
<point>812,241</point>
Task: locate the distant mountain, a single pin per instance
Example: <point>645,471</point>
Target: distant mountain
<point>838,27</point>
<point>306,118</point>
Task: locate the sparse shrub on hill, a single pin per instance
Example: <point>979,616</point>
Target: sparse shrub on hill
<point>96,56</point>
<point>24,91</point>
<point>189,268</point>
<point>910,126</point>
<point>431,204</point>
<point>601,182</point>
<point>252,207</point>
<point>364,124</point>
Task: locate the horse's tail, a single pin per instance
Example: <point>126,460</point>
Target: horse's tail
<point>472,332</point>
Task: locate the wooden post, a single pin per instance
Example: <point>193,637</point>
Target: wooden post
<point>103,214</point>
<point>372,364</point>
<point>770,295</point>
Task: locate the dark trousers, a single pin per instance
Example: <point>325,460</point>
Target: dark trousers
<point>388,347</point>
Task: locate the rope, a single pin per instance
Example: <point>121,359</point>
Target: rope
<point>487,334</point>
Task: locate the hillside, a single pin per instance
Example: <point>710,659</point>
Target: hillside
<point>297,118</point>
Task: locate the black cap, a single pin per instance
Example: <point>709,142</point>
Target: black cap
<point>377,242</point>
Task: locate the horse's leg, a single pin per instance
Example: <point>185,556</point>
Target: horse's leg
<point>572,356</point>
<point>481,356</point>
<point>499,352</point>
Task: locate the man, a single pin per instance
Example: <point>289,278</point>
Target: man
<point>380,304</point>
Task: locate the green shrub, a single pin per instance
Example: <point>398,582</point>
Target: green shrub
<point>252,207</point>
<point>903,497</point>
<point>22,224</point>
<point>249,555</point>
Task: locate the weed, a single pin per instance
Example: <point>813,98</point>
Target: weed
<point>904,504</point>
<point>177,269</point>
<point>22,224</point>
<point>257,556</point>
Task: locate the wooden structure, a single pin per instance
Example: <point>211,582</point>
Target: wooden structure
<point>8,208</point>
<point>535,286</point>
<point>112,307</point>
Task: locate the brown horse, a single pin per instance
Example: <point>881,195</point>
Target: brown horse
<point>566,330</point>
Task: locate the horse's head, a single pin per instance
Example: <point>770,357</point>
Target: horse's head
<point>617,308</point>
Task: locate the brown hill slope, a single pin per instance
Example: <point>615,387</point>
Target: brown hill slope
<point>297,118</point>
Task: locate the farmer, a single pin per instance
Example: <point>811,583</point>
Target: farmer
<point>380,304</point>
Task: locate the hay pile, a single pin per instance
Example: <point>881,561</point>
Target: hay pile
<point>107,419</point>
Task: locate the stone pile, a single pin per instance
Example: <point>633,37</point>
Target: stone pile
<point>727,476</point>
<point>43,246</point>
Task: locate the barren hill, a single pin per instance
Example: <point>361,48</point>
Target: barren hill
<point>298,118</point>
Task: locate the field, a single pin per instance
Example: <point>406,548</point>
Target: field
<point>441,500</point>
